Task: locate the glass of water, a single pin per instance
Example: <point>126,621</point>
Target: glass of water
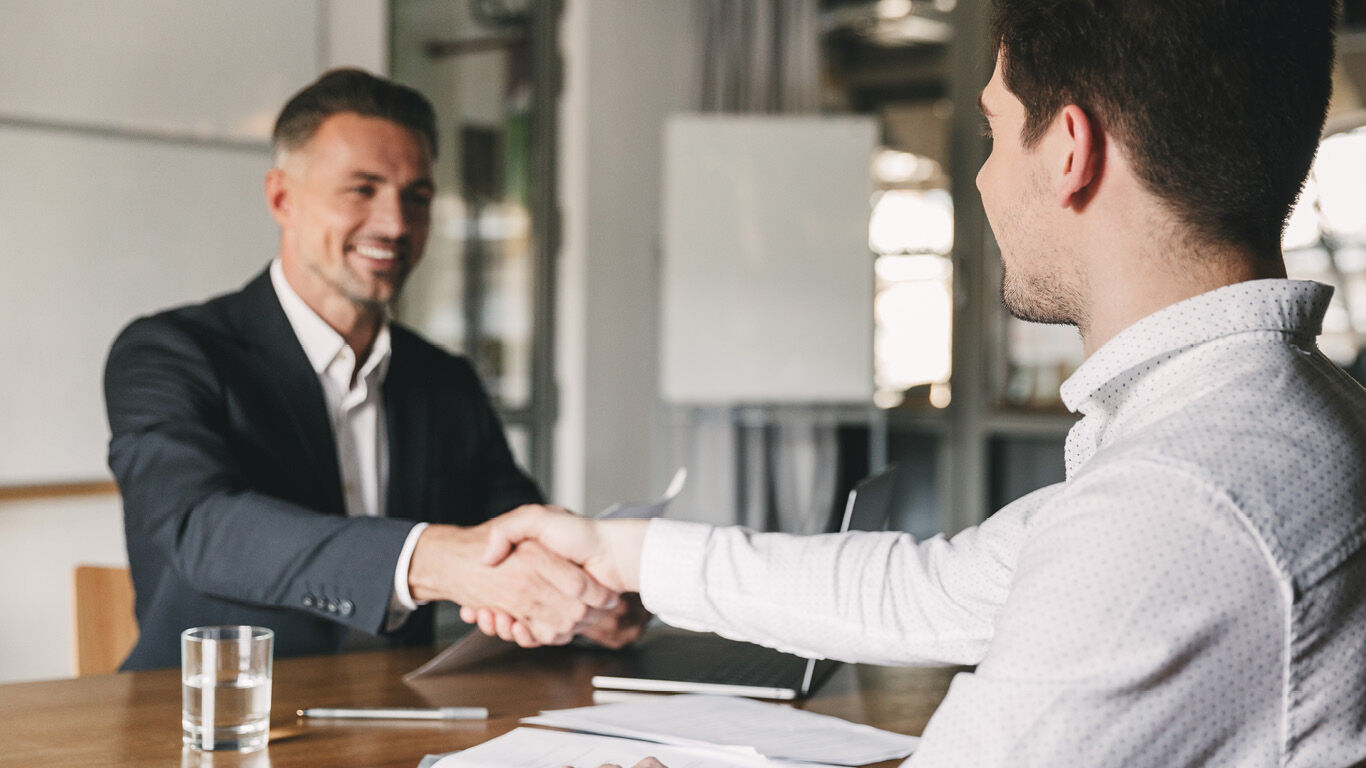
<point>225,687</point>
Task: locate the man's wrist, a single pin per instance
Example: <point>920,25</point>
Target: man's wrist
<point>403,595</point>
<point>672,565</point>
<point>437,554</point>
<point>624,540</point>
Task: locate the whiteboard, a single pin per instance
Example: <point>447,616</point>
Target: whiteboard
<point>98,231</point>
<point>767,284</point>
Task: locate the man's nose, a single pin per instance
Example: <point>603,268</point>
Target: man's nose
<point>386,215</point>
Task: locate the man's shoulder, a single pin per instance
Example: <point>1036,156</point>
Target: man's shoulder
<point>213,320</point>
<point>1285,455</point>
<point>1134,480</point>
<point>413,350</point>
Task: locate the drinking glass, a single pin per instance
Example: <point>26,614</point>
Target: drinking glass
<point>225,687</point>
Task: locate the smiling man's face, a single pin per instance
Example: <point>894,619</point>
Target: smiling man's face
<point>356,210</point>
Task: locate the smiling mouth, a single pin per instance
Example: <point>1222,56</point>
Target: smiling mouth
<point>379,253</point>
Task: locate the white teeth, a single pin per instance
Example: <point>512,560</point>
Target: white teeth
<point>371,252</point>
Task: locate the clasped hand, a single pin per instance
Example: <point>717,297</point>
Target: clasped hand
<point>608,551</point>
<point>529,594</point>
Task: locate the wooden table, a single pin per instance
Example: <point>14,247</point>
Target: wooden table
<point>133,719</point>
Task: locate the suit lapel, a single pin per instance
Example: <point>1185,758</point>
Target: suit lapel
<point>409,422</point>
<point>263,325</point>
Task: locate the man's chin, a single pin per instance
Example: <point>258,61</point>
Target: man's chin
<point>379,290</point>
<point>373,300</point>
<point>1035,306</point>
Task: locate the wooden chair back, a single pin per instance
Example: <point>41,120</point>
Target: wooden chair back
<point>105,629</point>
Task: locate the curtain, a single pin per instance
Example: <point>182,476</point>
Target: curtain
<point>759,56</point>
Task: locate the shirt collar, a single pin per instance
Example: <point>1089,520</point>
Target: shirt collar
<point>1292,306</point>
<point>322,344</point>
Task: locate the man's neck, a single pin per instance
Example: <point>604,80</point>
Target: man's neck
<point>357,325</point>
<point>1126,288</point>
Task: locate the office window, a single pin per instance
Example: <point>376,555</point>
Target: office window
<point>1326,238</point>
<point>484,286</point>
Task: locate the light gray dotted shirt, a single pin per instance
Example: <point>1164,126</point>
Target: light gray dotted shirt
<point>1193,594</point>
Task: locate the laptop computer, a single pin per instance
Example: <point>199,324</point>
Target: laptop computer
<point>668,660</point>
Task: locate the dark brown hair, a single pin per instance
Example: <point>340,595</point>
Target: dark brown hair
<point>1218,103</point>
<point>352,90</point>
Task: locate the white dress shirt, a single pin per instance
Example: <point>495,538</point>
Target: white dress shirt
<point>355,409</point>
<point>1193,594</point>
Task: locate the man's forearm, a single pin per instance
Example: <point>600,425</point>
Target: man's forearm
<point>257,549</point>
<point>869,597</point>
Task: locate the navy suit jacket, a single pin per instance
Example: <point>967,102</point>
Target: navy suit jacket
<point>233,507</point>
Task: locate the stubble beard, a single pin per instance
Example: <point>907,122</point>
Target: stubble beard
<point>1052,290</point>
<point>355,290</point>
<point>1044,297</point>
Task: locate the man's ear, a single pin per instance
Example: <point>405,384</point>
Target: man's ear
<point>278,198</point>
<point>1081,164</point>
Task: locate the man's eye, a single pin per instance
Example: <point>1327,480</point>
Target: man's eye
<point>364,190</point>
<point>986,129</point>
<point>422,199</point>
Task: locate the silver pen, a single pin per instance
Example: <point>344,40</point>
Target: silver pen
<point>399,713</point>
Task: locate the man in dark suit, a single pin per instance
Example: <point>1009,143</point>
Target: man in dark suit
<point>290,458</point>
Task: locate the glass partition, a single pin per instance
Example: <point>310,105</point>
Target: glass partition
<point>483,287</point>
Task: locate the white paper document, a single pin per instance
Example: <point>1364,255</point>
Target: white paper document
<point>648,509</point>
<point>743,727</point>
<point>472,649</point>
<point>537,748</point>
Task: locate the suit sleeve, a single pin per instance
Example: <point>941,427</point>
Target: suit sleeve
<point>187,499</point>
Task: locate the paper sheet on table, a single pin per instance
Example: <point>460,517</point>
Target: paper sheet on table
<point>476,647</point>
<point>536,748</point>
<point>772,730</point>
<point>648,509</point>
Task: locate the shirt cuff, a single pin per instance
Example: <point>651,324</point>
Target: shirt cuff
<point>672,563</point>
<point>401,602</point>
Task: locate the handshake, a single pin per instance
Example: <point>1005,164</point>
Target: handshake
<point>537,575</point>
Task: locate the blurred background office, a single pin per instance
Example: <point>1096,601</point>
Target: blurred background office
<point>740,236</point>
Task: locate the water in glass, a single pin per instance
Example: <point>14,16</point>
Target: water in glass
<point>234,714</point>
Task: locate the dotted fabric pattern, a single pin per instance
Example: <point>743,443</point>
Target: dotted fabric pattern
<point>1193,594</point>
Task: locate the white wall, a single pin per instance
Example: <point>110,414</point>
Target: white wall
<point>356,34</point>
<point>41,542</point>
<point>628,65</point>
<point>135,136</point>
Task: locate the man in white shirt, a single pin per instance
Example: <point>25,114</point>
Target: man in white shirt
<point>282,450</point>
<point>1195,592</point>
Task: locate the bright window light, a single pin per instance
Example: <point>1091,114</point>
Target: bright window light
<point>1303,229</point>
<point>913,341</point>
<point>1341,191</point>
<point>911,221</point>
<point>1325,240</point>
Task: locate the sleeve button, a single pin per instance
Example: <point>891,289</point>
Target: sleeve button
<point>346,607</point>
<point>331,606</point>
<point>309,601</point>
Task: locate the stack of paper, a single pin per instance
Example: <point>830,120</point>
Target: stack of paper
<point>740,727</point>
<point>536,748</point>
